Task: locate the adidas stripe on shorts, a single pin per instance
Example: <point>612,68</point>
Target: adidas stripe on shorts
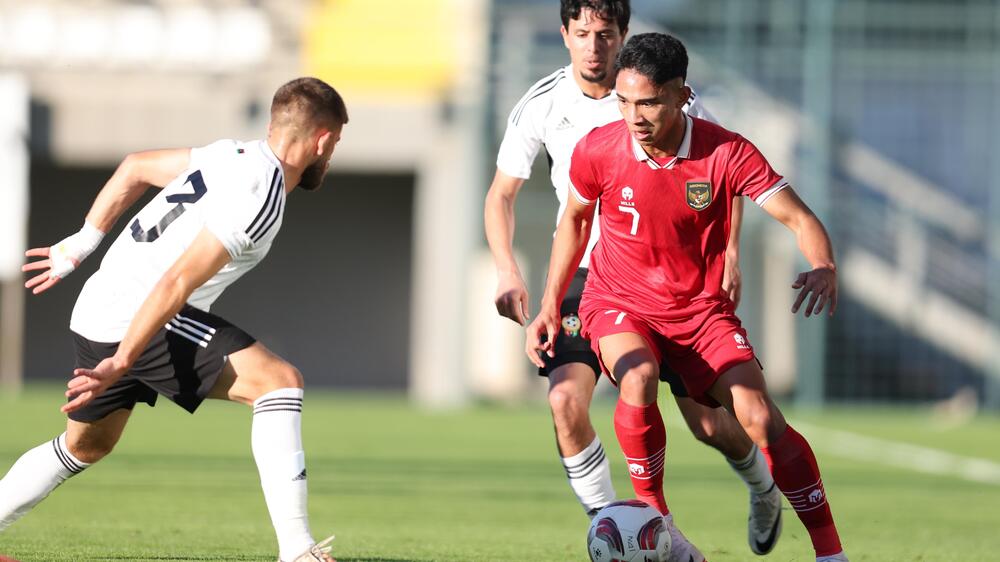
<point>182,362</point>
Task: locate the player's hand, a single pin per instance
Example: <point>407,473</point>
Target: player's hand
<point>48,277</point>
<point>546,323</point>
<point>820,285</point>
<point>88,384</point>
<point>732,278</point>
<point>512,297</point>
<point>61,258</point>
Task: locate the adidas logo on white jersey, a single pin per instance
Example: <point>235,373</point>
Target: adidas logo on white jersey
<point>564,124</point>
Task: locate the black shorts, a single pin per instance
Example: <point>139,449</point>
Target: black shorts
<point>182,362</point>
<point>571,347</point>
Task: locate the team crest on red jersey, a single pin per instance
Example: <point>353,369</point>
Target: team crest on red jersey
<point>699,194</point>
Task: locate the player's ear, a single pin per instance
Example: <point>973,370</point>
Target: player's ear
<point>565,35</point>
<point>684,94</point>
<point>323,141</point>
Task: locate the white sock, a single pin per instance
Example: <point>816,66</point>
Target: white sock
<point>276,440</point>
<point>589,475</point>
<point>33,476</point>
<point>754,471</point>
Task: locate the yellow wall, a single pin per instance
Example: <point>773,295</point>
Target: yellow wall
<point>382,48</point>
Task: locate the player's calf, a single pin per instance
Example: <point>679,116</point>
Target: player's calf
<point>34,476</point>
<point>87,446</point>
<point>273,388</point>
<point>717,428</point>
<point>44,468</point>
<point>580,449</point>
<point>797,475</point>
<point>643,440</point>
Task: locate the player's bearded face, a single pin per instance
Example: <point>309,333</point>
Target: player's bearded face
<point>593,44</point>
<point>312,176</point>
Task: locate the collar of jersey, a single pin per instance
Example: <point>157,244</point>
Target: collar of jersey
<point>683,152</point>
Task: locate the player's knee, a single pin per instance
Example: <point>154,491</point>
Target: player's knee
<point>641,378</point>
<point>644,372</point>
<point>757,420</point>
<point>90,450</point>
<point>568,408</point>
<point>287,376</point>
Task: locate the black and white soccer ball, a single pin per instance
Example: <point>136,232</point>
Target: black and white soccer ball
<point>628,531</point>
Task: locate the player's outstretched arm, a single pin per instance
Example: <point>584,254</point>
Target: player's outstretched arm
<point>512,294</point>
<point>568,248</point>
<point>131,179</point>
<point>136,173</point>
<point>203,259</point>
<point>819,284</point>
<point>732,277</point>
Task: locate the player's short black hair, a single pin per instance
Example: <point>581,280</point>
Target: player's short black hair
<point>314,98</point>
<point>657,56</point>
<point>617,11</point>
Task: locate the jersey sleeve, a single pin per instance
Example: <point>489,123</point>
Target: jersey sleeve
<point>522,138</point>
<point>750,174</point>
<point>246,203</point>
<point>695,108</point>
<point>204,155</point>
<point>583,182</point>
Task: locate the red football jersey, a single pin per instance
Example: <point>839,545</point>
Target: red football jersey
<point>665,225</point>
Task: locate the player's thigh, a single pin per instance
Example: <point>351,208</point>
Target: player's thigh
<point>743,391</point>
<point>634,365</point>
<point>89,441</point>
<point>252,372</point>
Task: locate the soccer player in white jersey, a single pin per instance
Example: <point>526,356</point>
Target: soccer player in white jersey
<point>142,325</point>
<point>555,113</point>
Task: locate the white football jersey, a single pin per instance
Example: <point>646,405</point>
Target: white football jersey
<point>234,189</point>
<point>556,114</point>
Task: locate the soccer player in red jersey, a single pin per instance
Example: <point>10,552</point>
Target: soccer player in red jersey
<point>553,116</point>
<point>666,184</point>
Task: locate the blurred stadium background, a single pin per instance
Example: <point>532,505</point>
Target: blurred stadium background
<point>885,114</point>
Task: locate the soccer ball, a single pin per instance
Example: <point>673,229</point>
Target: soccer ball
<point>628,531</point>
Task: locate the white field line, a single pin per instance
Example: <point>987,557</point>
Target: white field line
<point>889,453</point>
<point>900,455</point>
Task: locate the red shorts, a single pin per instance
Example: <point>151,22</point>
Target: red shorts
<point>699,348</point>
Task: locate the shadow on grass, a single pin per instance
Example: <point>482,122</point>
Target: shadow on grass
<point>339,559</point>
<point>194,558</point>
<point>243,558</point>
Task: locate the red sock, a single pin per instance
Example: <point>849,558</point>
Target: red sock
<point>795,471</point>
<point>643,440</point>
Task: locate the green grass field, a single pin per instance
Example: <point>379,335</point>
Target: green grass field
<point>397,484</point>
